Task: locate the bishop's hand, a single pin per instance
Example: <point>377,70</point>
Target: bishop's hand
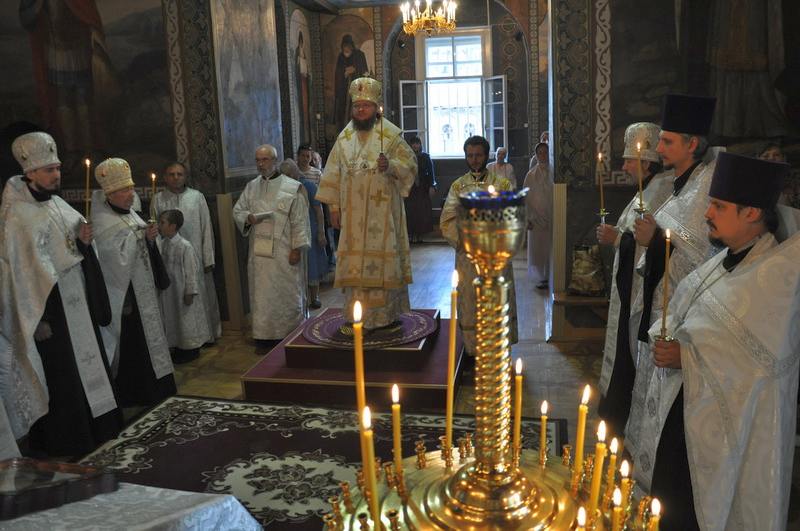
<point>667,354</point>
<point>383,163</point>
<point>151,232</point>
<point>43,331</point>
<point>644,230</point>
<point>85,233</point>
<point>606,234</point>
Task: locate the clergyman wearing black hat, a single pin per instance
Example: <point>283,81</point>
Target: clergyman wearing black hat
<point>734,321</point>
<point>655,434</point>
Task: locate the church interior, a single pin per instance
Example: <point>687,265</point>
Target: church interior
<point>205,83</point>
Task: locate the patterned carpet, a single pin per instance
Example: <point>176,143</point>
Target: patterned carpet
<point>281,462</point>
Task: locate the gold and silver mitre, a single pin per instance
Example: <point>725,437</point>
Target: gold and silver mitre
<point>366,89</point>
<point>35,150</point>
<point>644,134</point>
<point>113,175</point>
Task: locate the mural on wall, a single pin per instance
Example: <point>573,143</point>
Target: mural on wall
<point>93,74</point>
<point>348,53</point>
<point>245,51</point>
<point>301,68</point>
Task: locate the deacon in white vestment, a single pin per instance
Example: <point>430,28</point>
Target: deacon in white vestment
<point>198,230</point>
<point>133,272</point>
<point>735,321</point>
<point>619,355</point>
<point>684,149</point>
<point>272,213</point>
<point>369,171</point>
<point>501,167</point>
<point>55,382</point>
<point>182,305</point>
<point>539,206</point>
<point>476,151</point>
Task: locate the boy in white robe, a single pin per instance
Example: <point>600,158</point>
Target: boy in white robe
<point>185,319</point>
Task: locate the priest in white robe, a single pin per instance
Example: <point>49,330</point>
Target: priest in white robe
<point>133,270</point>
<point>619,353</point>
<point>55,382</point>
<point>684,149</point>
<point>197,229</point>
<point>735,321</point>
<point>476,153</point>
<point>369,171</point>
<point>539,207</point>
<point>272,213</point>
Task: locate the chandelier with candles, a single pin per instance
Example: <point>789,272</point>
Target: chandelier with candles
<point>429,20</point>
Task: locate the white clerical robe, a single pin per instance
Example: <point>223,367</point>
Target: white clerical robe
<point>186,326</point>
<point>740,342</point>
<point>197,228</point>
<point>467,300</point>
<point>373,262</point>
<point>539,206</point>
<point>278,299</point>
<point>653,196</point>
<point>123,255</point>
<point>38,253</point>
<point>684,216</point>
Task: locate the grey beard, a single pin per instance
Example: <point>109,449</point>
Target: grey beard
<point>365,125</point>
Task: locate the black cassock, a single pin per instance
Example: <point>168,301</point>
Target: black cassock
<point>419,211</point>
<point>68,429</point>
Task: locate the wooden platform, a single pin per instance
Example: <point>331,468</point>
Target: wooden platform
<point>422,389</point>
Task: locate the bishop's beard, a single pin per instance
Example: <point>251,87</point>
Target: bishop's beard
<point>365,125</point>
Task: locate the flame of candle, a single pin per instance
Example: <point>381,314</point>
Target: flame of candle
<point>638,146</point>
<point>581,516</point>
<point>655,507</point>
<point>586,392</point>
<point>617,497</point>
<point>366,418</point>
<point>357,312</point>
<point>491,189</point>
<point>153,177</point>
<point>380,109</point>
<point>599,157</point>
<point>518,366</point>
<point>395,394</point>
<point>614,445</point>
<point>625,469</point>
<point>454,279</point>
<point>87,162</point>
<point>668,234</point>
<point>601,431</point>
<point>544,408</point>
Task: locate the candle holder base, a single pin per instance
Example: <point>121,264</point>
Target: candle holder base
<point>663,336</point>
<point>641,210</point>
<point>602,215</point>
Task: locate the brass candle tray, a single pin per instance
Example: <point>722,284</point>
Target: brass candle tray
<point>28,485</point>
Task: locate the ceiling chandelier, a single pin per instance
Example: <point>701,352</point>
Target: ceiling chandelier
<point>440,20</point>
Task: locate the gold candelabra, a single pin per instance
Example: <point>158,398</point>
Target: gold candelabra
<point>493,486</point>
<point>429,20</point>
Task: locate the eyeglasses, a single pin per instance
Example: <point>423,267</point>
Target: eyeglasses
<point>362,106</point>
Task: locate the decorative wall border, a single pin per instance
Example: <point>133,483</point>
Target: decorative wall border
<point>571,90</point>
<point>602,79</point>
<point>377,32</point>
<point>533,82</point>
<point>317,82</point>
<point>172,27</point>
<point>282,9</point>
<point>292,98</point>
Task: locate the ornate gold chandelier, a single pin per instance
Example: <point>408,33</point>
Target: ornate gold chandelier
<point>440,20</point>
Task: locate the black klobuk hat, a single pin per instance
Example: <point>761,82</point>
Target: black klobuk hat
<point>748,181</point>
<point>689,115</point>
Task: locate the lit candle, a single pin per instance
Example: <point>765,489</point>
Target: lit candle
<point>616,513</point>
<point>600,179</point>
<point>597,475</point>
<point>655,515</point>
<point>583,410</point>
<point>665,289</point>
<point>625,484</point>
<point>639,172</point>
<point>518,405</point>
<point>492,190</point>
<point>86,199</point>
<point>369,472</point>
<point>398,451</point>
<point>358,342</point>
<point>612,465</point>
<point>153,198</point>
<point>380,117</point>
<point>451,362</point>
<point>581,523</point>
<point>543,433</point>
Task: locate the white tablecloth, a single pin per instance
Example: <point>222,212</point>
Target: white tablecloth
<point>136,507</point>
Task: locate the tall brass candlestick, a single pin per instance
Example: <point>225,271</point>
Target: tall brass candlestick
<point>639,173</point>
<point>451,362</point>
<point>86,198</point>
<point>665,289</point>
